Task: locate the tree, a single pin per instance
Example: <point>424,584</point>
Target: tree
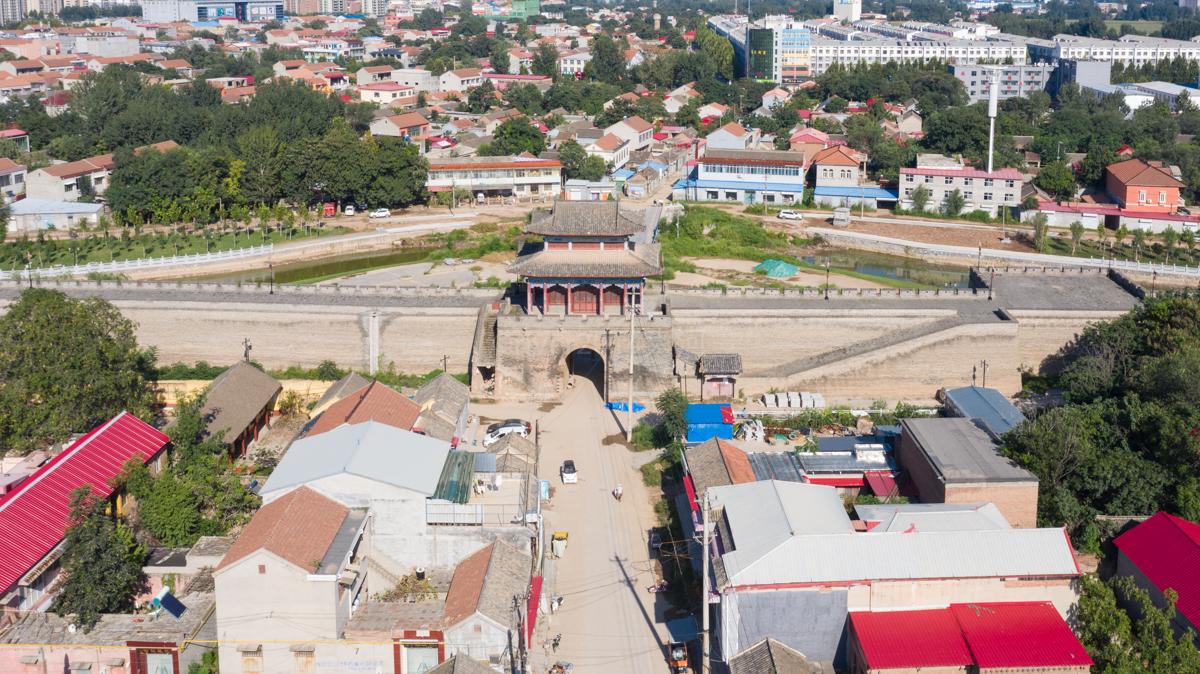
<point>1170,239</point>
<point>430,18</point>
<point>1056,180</point>
<point>1139,242</point>
<point>1041,231</point>
<point>717,50</point>
<point>499,57</point>
<point>953,204</point>
<point>607,64</point>
<point>1189,239</point>
<point>481,98</point>
<point>572,155</point>
<point>6,214</point>
<point>545,61</point>
<point>514,136</point>
<point>66,366</point>
<point>1101,232</point>
<point>1076,235</point>
<point>1121,234</point>
<point>593,168</point>
<point>101,562</point>
<point>836,105</point>
<point>920,198</point>
<point>399,174</point>
<point>672,405</point>
<point>262,153</point>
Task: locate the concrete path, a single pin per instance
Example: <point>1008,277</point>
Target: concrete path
<point>608,620</point>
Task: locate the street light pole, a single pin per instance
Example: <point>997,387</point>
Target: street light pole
<point>629,412</point>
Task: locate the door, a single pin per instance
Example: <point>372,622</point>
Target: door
<point>612,297</point>
<point>585,299</point>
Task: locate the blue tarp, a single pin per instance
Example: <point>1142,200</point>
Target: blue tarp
<point>706,413</point>
<point>712,420</point>
<point>702,432</point>
<point>624,407</point>
<point>777,268</point>
<point>622,174</point>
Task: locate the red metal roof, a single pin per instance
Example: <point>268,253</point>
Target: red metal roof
<point>881,482</point>
<point>1006,635</point>
<point>1166,549</point>
<point>1016,635</point>
<point>34,517</point>
<point>835,480</point>
<point>899,639</point>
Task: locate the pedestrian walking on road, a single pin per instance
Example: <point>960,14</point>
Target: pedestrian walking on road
<point>555,642</point>
<point>618,492</point>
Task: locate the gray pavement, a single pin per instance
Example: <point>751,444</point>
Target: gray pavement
<point>608,621</point>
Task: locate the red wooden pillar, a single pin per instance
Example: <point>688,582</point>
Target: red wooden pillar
<point>570,297</point>
<point>624,297</point>
<point>528,298</point>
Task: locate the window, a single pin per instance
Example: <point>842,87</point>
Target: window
<point>987,196</point>
<point>928,179</point>
<point>987,182</point>
<point>1141,196</point>
<point>909,178</point>
<point>1008,183</point>
<point>949,180</point>
<point>1162,197</point>
<point>712,194</point>
<point>968,195</point>
<point>769,198</point>
<point>731,196</point>
<point>262,569</point>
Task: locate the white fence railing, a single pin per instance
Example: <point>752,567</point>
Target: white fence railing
<point>473,514</point>
<point>141,263</point>
<point>1013,257</point>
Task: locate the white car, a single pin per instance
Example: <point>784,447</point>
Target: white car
<point>380,213</point>
<point>349,210</point>
<point>508,427</point>
<point>568,473</point>
<point>789,215</point>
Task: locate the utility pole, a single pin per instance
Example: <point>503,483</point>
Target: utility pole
<point>607,361</point>
<point>445,360</point>
<point>985,367</point>
<point>704,585</point>
<point>246,346</point>
<point>271,267</point>
<point>629,412</point>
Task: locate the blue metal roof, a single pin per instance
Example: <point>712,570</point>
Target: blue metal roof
<point>709,413</point>
<point>988,405</point>
<point>752,185</point>
<point>868,192</point>
<point>622,174</point>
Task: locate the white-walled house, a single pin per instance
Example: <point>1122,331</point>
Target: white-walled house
<point>637,131</point>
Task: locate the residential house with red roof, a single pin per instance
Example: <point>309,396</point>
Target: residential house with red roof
<point>34,516</point>
<point>296,574</point>
<point>983,638</point>
<point>1163,554</point>
<point>732,136</point>
<point>610,147</point>
<point>12,178</point>
<point>838,179</point>
<point>410,125</point>
<point>67,181</point>
<point>461,79</point>
<point>941,175</point>
<point>373,402</point>
<point>1143,186</point>
<point>520,176</point>
<point>746,176</point>
<point>390,94</point>
<point>636,131</point>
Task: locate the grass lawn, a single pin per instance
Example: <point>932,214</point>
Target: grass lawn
<point>1144,27</point>
<point>97,247</point>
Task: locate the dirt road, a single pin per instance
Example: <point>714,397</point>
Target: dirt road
<point>607,621</point>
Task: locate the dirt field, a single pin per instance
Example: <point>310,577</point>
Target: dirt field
<point>992,238</point>
<point>721,270</point>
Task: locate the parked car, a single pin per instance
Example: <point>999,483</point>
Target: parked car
<point>789,215</point>
<point>499,430</point>
<point>349,210</point>
<point>568,472</point>
<point>380,213</point>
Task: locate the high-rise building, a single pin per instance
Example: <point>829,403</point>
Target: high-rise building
<point>12,10</point>
<point>847,10</point>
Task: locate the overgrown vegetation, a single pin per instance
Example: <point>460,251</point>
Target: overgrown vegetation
<point>1124,631</point>
<point>1125,443</point>
<point>66,366</point>
<point>199,494</point>
<point>101,563</point>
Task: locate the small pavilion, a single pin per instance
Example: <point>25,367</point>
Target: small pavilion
<point>593,260</point>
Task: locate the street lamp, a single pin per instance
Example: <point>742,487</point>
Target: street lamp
<point>827,279</point>
<point>271,267</point>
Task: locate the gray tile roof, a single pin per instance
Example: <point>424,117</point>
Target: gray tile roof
<point>590,264</point>
<point>340,389</point>
<point>721,363</point>
<point>771,657</point>
<point>586,218</point>
<point>706,465</point>
<point>507,577</point>
<point>235,398</point>
<point>114,628</point>
<point>810,622</point>
<point>443,402</point>
<point>961,451</point>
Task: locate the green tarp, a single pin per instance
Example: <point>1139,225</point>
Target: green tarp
<point>776,268</point>
<point>455,483</point>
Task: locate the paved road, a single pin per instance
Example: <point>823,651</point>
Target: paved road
<point>608,619</point>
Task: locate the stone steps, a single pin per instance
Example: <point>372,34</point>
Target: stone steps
<point>806,363</point>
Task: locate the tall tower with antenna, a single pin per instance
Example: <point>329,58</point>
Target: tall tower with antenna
<point>993,104</point>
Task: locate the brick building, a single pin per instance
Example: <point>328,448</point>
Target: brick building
<point>954,460</point>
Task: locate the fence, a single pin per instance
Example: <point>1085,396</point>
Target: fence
<point>474,514</point>
<point>142,263</point>
<point>888,244</point>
